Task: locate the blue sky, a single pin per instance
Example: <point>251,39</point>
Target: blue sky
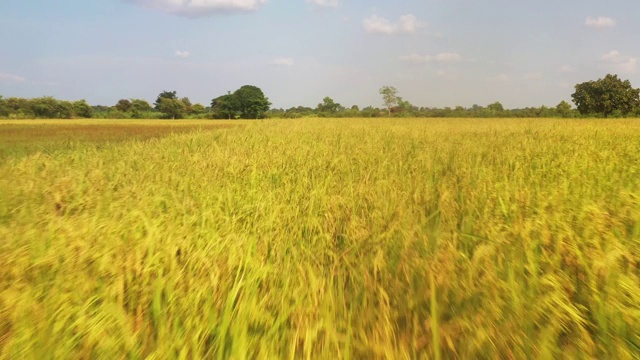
<point>435,52</point>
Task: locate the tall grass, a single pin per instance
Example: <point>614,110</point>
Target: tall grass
<point>355,239</point>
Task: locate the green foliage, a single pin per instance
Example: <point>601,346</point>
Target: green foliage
<point>123,105</point>
<point>251,102</point>
<point>248,102</point>
<point>496,107</point>
<point>225,107</point>
<point>82,109</point>
<point>328,107</point>
<point>390,97</point>
<point>171,108</point>
<point>50,108</point>
<point>4,108</point>
<point>171,95</point>
<point>605,96</point>
<point>198,109</point>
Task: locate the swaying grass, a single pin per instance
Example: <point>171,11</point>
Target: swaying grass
<point>328,239</point>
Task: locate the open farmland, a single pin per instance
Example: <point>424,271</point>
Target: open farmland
<point>326,239</point>
<point>23,137</point>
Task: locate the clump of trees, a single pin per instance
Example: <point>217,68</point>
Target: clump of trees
<point>248,102</point>
<point>44,108</point>
<point>606,97</point>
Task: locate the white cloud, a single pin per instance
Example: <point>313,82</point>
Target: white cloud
<point>601,22</point>
<point>406,24</point>
<point>200,8</point>
<point>439,58</point>
<point>620,63</point>
<point>325,3</point>
<point>533,76</point>
<point>283,61</point>
<point>6,78</point>
<point>183,54</point>
<point>566,69</point>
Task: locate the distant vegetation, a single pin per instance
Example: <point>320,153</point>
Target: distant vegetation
<point>607,97</point>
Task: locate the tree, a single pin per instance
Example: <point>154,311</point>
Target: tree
<point>328,107</point>
<point>171,95</point>
<point>390,97</point>
<point>187,103</point>
<point>224,107</point>
<point>604,96</point>
<point>50,108</point>
<point>139,105</point>
<point>251,102</point>
<point>172,108</point>
<point>4,109</point>
<point>248,102</point>
<point>198,109</point>
<point>82,109</point>
<point>496,107</point>
<point>563,109</point>
<point>123,105</point>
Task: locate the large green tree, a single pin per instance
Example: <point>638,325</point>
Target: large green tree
<point>224,107</point>
<point>171,95</point>
<point>248,102</point>
<point>123,105</point>
<point>606,96</point>
<point>251,102</point>
<point>172,108</point>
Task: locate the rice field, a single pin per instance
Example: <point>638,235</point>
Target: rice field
<point>324,239</point>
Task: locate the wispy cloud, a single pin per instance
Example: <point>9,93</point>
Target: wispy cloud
<point>601,22</point>
<point>283,61</point>
<point>439,58</point>
<point>619,62</point>
<point>6,78</point>
<point>325,3</point>
<point>406,24</point>
<point>200,8</point>
<point>183,54</point>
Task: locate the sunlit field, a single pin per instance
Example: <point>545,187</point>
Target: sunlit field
<point>321,239</point>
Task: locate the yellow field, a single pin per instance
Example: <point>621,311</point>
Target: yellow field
<point>327,239</point>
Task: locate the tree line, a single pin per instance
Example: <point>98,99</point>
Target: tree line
<point>606,97</point>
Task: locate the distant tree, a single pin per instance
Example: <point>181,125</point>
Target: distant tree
<point>248,102</point>
<point>171,108</point>
<point>139,105</point>
<point>187,103</point>
<point>50,108</point>
<point>4,109</point>
<point>563,109</point>
<point>171,95</point>
<point>390,97</point>
<point>328,107</point>
<point>370,111</point>
<point>198,109</point>
<point>82,109</point>
<point>251,102</point>
<point>496,107</point>
<point>123,105</point>
<point>224,107</point>
<point>606,96</point>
